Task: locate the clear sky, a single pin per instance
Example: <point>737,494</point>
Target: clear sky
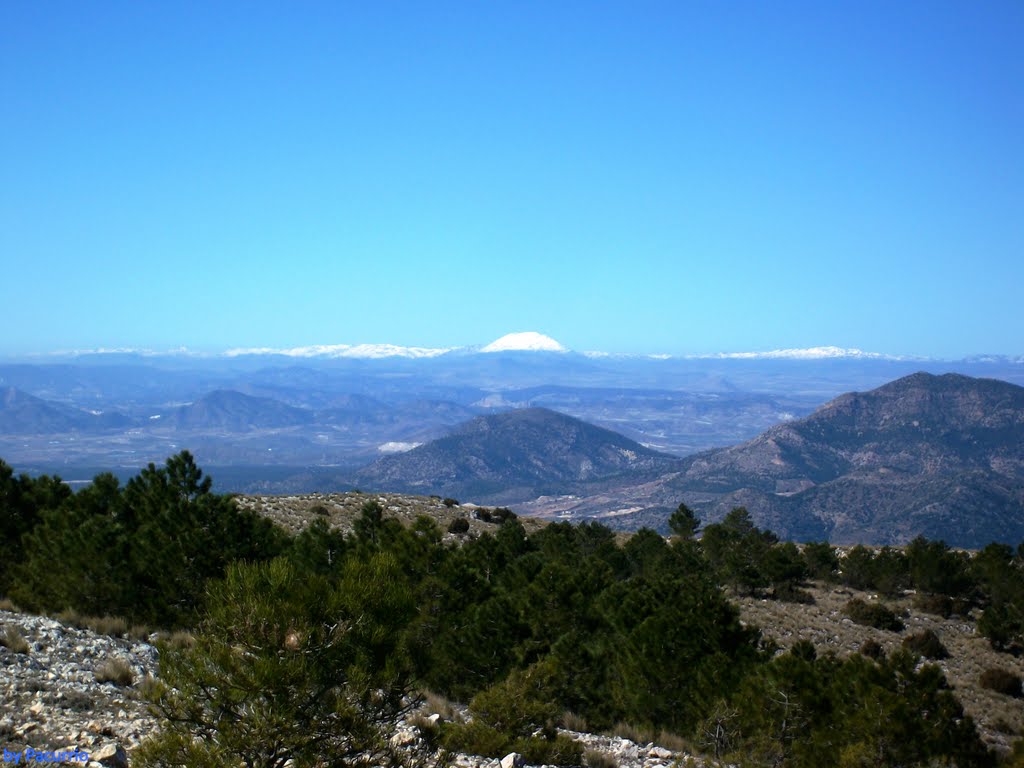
<point>678,177</point>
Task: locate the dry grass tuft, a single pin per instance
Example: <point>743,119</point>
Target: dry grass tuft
<point>116,671</point>
<point>595,759</point>
<point>673,742</point>
<point>436,704</point>
<point>70,617</point>
<point>112,626</point>
<point>150,688</point>
<point>13,640</point>
<point>1001,681</point>
<point>179,640</point>
<point>636,734</point>
<point>573,722</point>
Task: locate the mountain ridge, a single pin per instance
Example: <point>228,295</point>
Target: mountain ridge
<point>513,455</point>
<point>941,456</point>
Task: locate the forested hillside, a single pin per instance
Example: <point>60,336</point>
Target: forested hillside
<point>309,645</point>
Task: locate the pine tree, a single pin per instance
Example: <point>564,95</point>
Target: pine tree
<point>288,667</point>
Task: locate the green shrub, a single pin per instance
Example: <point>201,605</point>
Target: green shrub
<point>788,592</point>
<point>517,714</point>
<point>1001,623</point>
<point>483,515</point>
<point>284,661</point>
<point>821,560</point>
<point>1002,681</point>
<point>560,750</point>
<point>459,525</point>
<point>519,704</point>
<point>872,649</point>
<point>497,516</point>
<point>872,615</point>
<point>22,502</point>
<point>936,569</point>
<point>501,514</point>
<point>927,644</point>
<point>449,502</point>
<point>474,738</point>
<point>937,605</point>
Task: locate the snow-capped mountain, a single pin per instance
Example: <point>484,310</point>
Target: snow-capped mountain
<point>526,341</point>
<point>522,341</point>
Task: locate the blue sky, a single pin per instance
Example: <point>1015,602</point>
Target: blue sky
<point>646,177</point>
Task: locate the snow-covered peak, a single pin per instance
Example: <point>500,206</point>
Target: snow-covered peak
<point>528,341</point>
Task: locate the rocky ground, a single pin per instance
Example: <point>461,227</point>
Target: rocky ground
<point>341,510</point>
<point>54,699</point>
<point>53,694</point>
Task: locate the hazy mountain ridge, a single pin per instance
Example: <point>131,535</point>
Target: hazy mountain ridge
<point>941,456</point>
<point>236,412</point>
<point>25,414</point>
<point>512,456</point>
<point>918,424</point>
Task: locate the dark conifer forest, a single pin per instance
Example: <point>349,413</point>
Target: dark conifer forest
<point>308,646</point>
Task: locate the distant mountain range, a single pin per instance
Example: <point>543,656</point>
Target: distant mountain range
<point>274,421</point>
<point>523,341</point>
<point>511,457</point>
